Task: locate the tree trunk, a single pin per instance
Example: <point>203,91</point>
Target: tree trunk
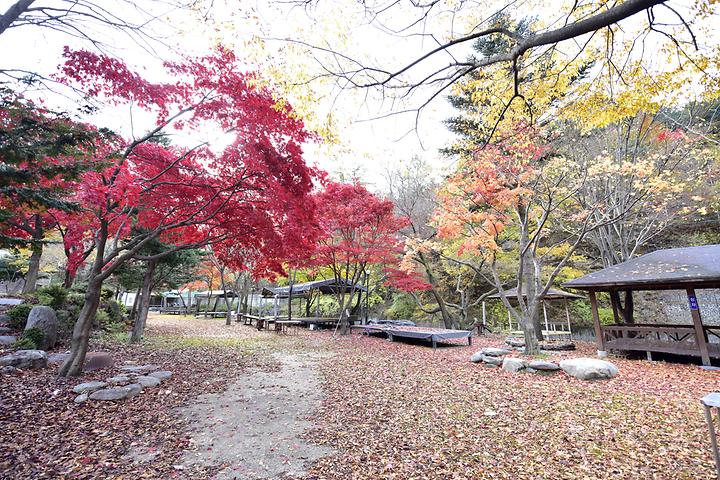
<point>448,319</point>
<point>33,268</point>
<point>136,302</point>
<point>144,305</point>
<point>69,278</point>
<point>228,313</point>
<point>72,366</point>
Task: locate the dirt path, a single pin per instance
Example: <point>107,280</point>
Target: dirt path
<point>253,429</point>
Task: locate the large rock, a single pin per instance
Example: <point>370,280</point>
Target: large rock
<point>476,357</point>
<point>119,380</point>
<point>117,393</point>
<point>7,340</point>
<point>139,368</point>
<point>497,361</point>
<point>589,368</point>
<point>544,365</point>
<point>495,352</point>
<point>44,319</point>
<point>512,364</point>
<point>161,375</point>
<point>93,360</point>
<point>147,381</point>
<point>89,387</point>
<point>25,359</point>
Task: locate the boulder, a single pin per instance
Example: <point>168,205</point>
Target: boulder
<point>44,319</point>
<point>25,359</point>
<point>477,357</point>
<point>89,387</point>
<point>8,370</point>
<point>147,381</point>
<point>492,360</point>
<point>139,368</point>
<point>81,398</point>
<point>589,368</point>
<point>97,361</point>
<point>117,393</point>
<point>161,375</point>
<point>7,340</point>
<point>495,352</point>
<point>118,380</point>
<point>515,342</point>
<point>512,364</point>
<point>557,346</point>
<point>5,330</point>
<point>93,360</point>
<point>544,365</point>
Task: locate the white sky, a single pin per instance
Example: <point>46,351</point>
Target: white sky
<point>370,146</point>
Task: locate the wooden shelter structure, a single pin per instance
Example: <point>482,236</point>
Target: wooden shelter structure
<point>308,289</point>
<point>552,329</point>
<point>688,269</point>
<point>214,297</point>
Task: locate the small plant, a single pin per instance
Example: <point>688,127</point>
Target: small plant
<point>101,318</point>
<point>24,343</point>
<point>35,335</point>
<point>19,315</point>
<point>53,296</point>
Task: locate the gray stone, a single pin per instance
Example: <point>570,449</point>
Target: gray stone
<point>89,387</point>
<point>490,365</point>
<point>57,358</point>
<point>495,352</point>
<point>97,361</point>
<point>9,370</point>
<point>512,364</point>
<point>492,360</point>
<point>25,359</point>
<point>5,330</point>
<point>81,398</point>
<point>543,365</point>
<point>118,380</point>
<point>117,393</point>
<point>147,381</point>
<point>477,357</point>
<point>7,339</point>
<point>139,368</point>
<point>162,374</point>
<point>589,368</point>
<point>44,319</point>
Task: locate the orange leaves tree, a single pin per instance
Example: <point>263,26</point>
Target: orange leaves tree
<point>521,194</point>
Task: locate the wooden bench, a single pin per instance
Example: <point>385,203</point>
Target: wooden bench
<point>285,326</point>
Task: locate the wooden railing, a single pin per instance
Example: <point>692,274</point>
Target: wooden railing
<point>675,339</point>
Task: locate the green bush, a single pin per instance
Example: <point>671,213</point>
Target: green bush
<point>115,310</point>
<point>19,315</point>
<point>35,335</point>
<point>66,321</point>
<point>53,296</point>
<point>101,317</point>
<point>402,308</point>
<point>24,343</point>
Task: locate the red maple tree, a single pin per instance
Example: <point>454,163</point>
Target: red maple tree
<point>248,196</point>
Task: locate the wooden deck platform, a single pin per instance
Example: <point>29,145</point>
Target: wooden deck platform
<point>661,338</point>
<point>423,333</point>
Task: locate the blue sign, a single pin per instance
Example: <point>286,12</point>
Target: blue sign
<point>693,302</point>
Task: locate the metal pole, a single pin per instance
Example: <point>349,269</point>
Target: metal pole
<point>709,401</point>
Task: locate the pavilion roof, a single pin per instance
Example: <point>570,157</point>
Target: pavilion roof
<point>674,268</point>
<point>551,294</point>
<point>304,289</point>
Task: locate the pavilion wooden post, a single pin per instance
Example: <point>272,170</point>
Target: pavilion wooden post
<point>567,314</point>
<point>547,327</point>
<point>697,323</point>
<point>598,329</point>
<point>614,296</point>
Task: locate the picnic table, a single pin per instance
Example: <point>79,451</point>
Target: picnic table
<point>285,326</point>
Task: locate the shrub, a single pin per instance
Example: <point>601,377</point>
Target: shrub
<point>19,315</point>
<point>24,343</point>
<point>53,296</point>
<point>115,310</point>
<point>101,317</point>
<point>35,335</point>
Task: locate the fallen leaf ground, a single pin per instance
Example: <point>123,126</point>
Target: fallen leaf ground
<point>390,410</point>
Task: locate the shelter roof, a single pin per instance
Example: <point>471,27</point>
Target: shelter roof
<point>674,268</point>
<point>551,294</point>
<point>304,289</point>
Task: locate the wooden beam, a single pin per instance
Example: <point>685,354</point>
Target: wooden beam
<point>614,301</point>
<point>697,323</point>
<point>596,320</point>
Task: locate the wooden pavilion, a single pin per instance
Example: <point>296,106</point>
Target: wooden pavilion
<point>688,269</point>
<point>552,329</point>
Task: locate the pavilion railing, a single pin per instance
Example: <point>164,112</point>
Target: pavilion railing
<point>675,339</point>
